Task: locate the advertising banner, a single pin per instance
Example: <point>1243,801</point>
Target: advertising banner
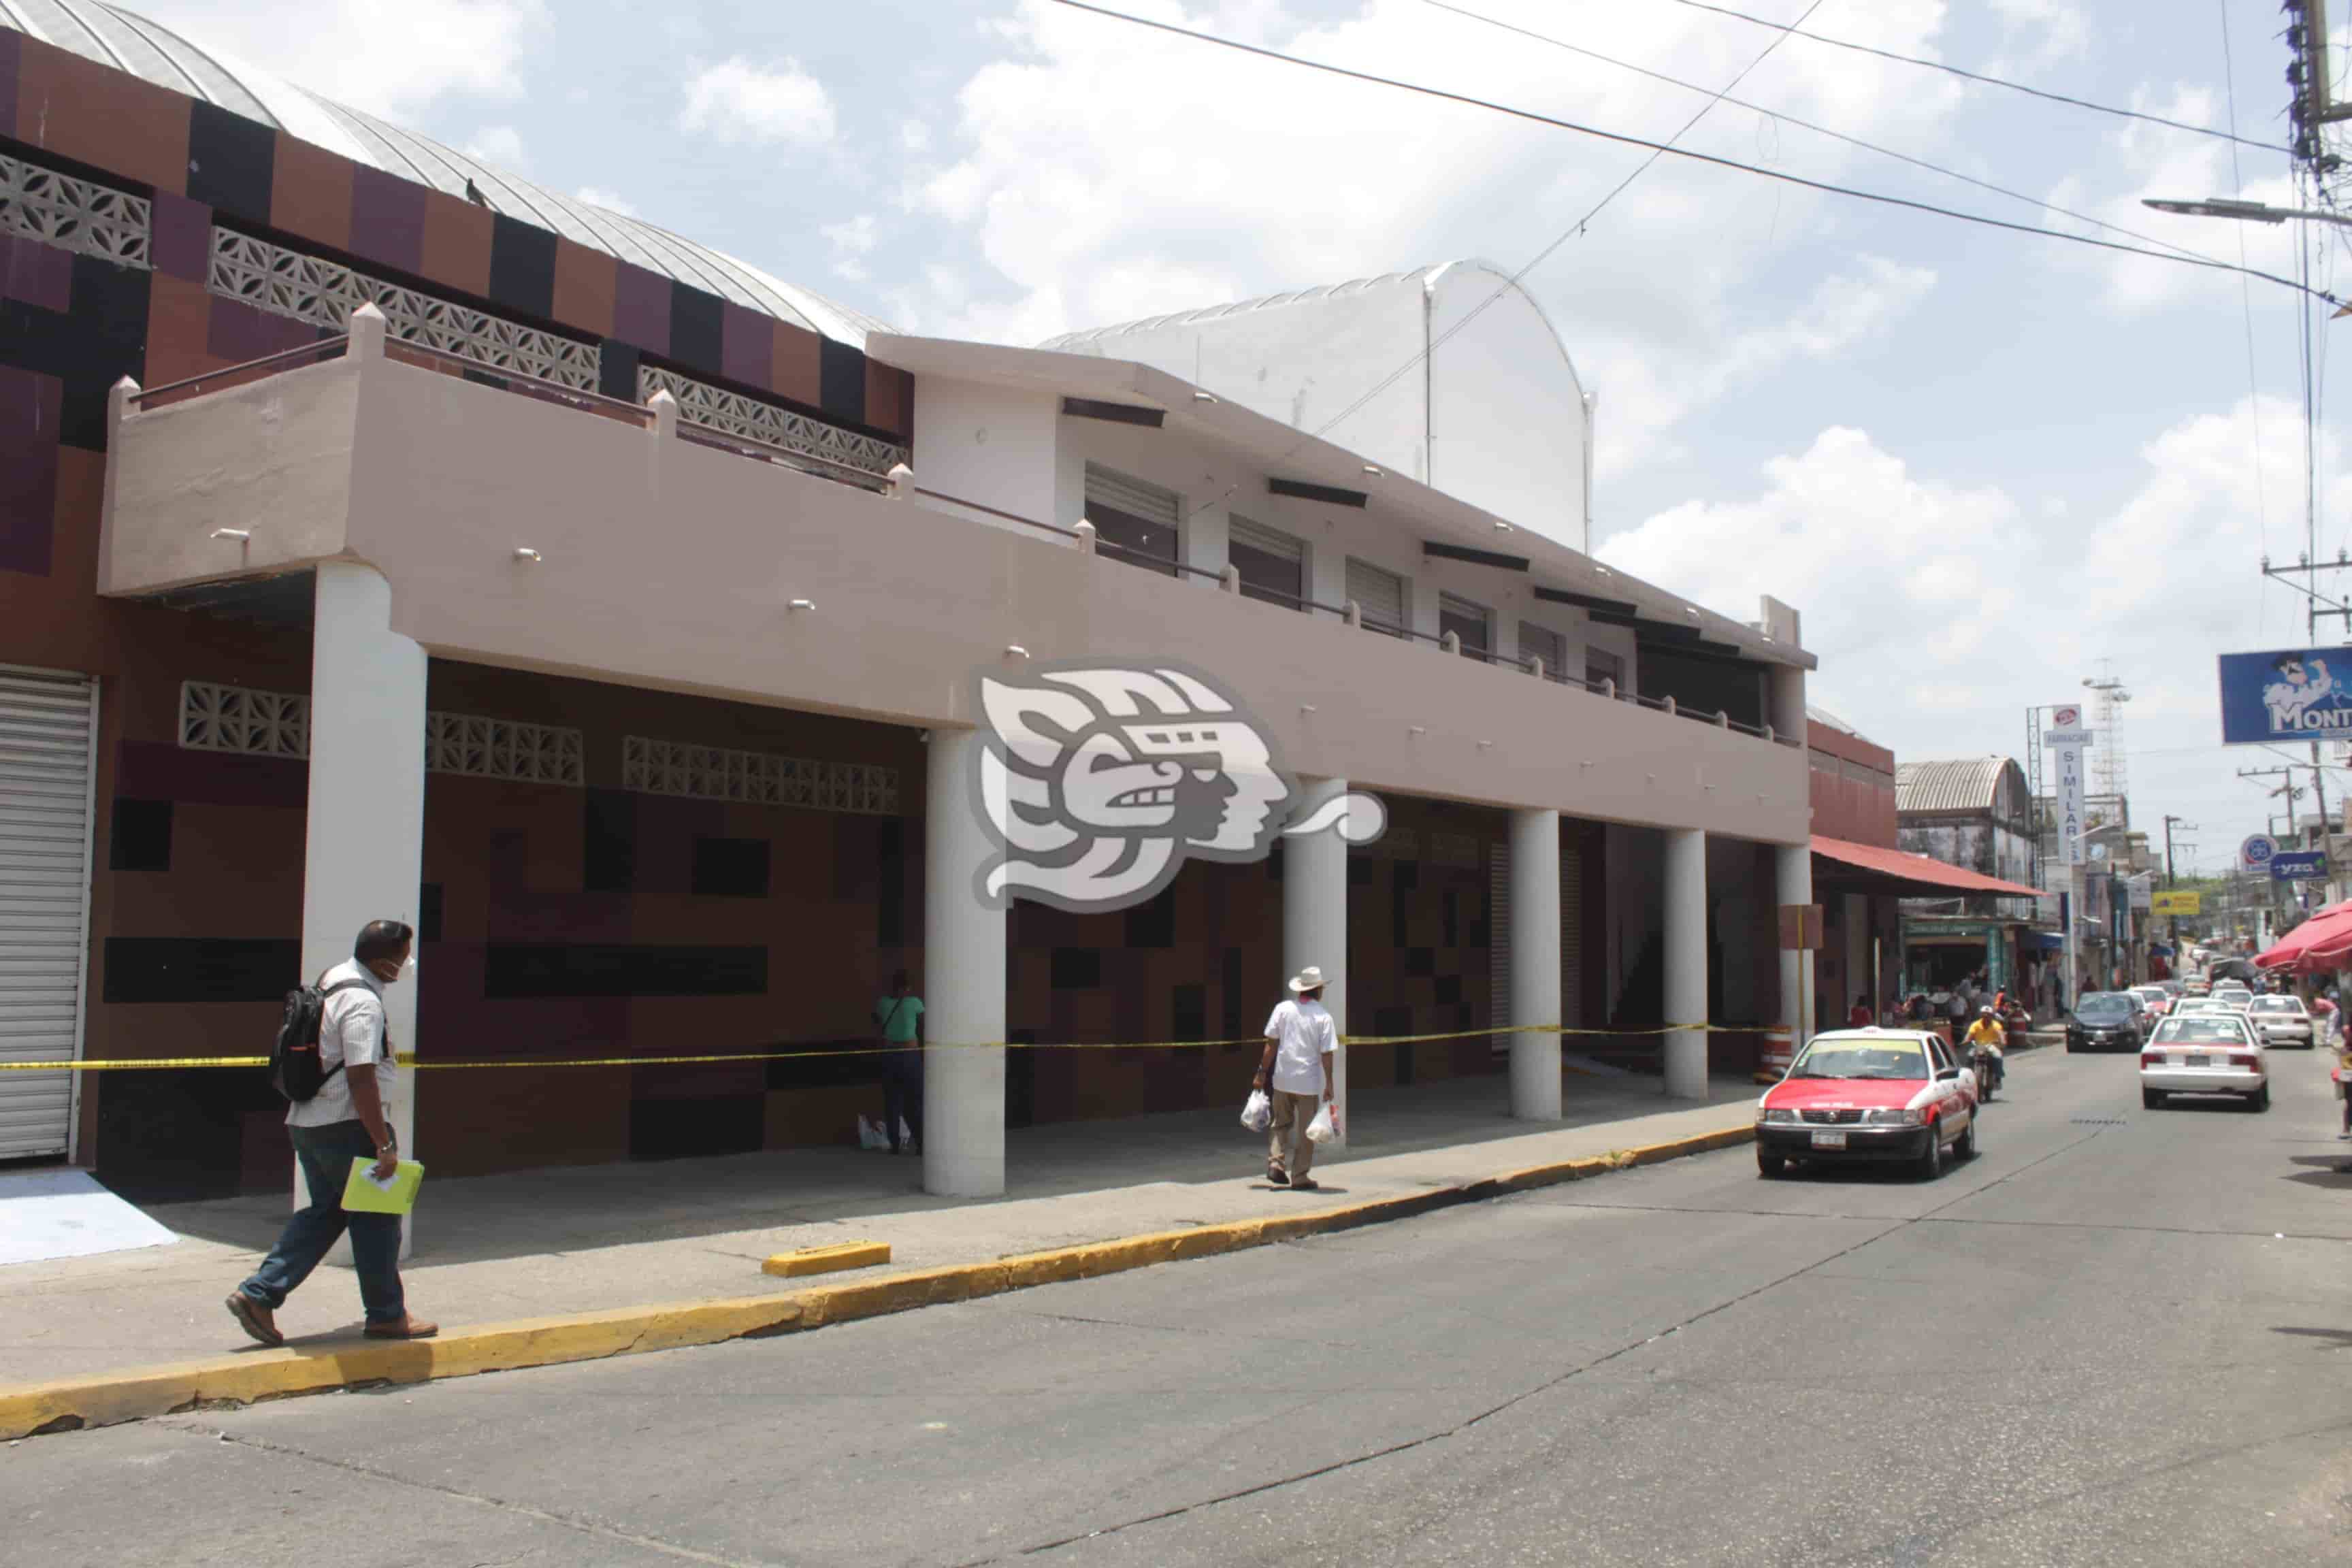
<point>2256,851</point>
<point>2066,737</point>
<point>2299,866</point>
<point>2179,901</point>
<point>2293,694</point>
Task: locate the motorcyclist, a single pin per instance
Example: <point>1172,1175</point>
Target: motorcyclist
<point>1985,1039</point>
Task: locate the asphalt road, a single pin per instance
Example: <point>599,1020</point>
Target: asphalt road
<point>2116,1337</point>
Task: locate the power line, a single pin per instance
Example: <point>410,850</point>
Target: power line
<point>1882,152</point>
<point>1791,29</point>
<point>1625,138</point>
<point>1540,256</point>
<point>2246,302</point>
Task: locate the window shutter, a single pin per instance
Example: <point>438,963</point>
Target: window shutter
<point>1134,496</point>
<point>1380,593</point>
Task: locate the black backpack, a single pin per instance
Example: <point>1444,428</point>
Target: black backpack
<point>294,1070</point>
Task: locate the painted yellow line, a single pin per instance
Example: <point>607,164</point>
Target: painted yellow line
<point>827,1259</point>
<point>136,1393</point>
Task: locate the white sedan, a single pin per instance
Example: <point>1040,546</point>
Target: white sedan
<point>2204,1054</point>
<point>2282,1021</point>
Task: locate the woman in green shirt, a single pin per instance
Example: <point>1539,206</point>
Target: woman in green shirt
<point>898,1017</point>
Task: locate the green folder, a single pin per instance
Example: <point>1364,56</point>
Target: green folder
<point>364,1194</point>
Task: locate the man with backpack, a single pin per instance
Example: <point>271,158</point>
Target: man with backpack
<point>335,1065</point>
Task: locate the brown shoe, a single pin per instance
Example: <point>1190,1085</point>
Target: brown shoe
<point>1305,1184</point>
<point>410,1327</point>
<point>254,1319</point>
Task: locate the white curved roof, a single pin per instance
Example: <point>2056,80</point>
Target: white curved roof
<point>1419,278</point>
<point>112,37</point>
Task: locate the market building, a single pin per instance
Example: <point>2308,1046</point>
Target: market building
<point>1976,813</point>
<point>612,610</point>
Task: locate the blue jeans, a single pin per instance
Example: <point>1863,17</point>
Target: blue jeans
<point>325,1154</point>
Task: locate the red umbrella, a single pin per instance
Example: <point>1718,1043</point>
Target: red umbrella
<point>2321,942</point>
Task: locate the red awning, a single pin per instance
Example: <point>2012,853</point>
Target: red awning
<point>2316,946</point>
<point>1921,873</point>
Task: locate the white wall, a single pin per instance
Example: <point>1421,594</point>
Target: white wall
<point>988,445</point>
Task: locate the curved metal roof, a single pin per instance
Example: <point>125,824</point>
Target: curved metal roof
<point>1079,342</point>
<point>112,37</point>
<point>1103,340</point>
<point>1959,785</point>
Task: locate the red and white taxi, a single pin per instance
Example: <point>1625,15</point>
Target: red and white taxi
<point>1869,1094</point>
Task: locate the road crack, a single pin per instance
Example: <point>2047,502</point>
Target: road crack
<point>1456,1428</point>
<point>480,1500</point>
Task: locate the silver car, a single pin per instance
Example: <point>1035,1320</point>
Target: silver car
<point>2204,1054</point>
<point>2282,1021</point>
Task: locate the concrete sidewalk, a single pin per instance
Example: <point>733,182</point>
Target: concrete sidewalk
<point>570,1240</point>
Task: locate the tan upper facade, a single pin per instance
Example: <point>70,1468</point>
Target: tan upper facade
<point>670,563</point>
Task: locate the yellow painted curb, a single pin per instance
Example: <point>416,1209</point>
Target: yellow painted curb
<point>68,1404</point>
<point>827,1259</point>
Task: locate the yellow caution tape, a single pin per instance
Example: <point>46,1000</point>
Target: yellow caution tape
<point>408,1058</point>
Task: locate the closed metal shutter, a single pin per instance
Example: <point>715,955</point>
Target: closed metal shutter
<point>1133,497</point>
<point>1543,643</point>
<point>1266,541</point>
<point>48,726</point>
<point>1379,595</point>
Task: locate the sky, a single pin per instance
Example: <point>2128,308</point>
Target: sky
<point>1985,466</point>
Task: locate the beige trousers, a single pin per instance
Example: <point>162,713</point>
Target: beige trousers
<point>1287,1147</point>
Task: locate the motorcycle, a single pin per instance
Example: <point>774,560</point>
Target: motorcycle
<point>1988,1068</point>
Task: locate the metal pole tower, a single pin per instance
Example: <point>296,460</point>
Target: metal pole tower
<point>2109,775</point>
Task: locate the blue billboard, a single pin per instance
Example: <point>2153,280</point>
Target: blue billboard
<point>2296,694</point>
<point>2299,866</point>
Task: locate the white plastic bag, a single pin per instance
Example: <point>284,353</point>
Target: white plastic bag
<point>870,1134</point>
<point>1325,1125</point>
<point>1257,1115</point>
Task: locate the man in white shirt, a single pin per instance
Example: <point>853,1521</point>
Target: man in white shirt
<point>348,1121</point>
<point>1296,1074</point>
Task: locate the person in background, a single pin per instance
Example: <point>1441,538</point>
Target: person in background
<point>899,1019</point>
<point>1859,1017</point>
<point>1294,1072</point>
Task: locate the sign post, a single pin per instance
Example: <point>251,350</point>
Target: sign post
<point>2067,738</point>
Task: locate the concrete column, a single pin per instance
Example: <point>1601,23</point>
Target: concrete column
<point>363,847</point>
<point>1684,886</point>
<point>1794,882</point>
<point>1535,963</point>
<point>963,983</point>
<point>1315,925</point>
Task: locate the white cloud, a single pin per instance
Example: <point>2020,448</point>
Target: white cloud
<point>1940,611</point>
<point>852,240</point>
<point>1105,173</point>
<point>914,136</point>
<point>610,201</point>
<point>737,101</point>
<point>389,56</point>
<point>500,146</point>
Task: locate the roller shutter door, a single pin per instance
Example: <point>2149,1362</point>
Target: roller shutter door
<point>1378,594</point>
<point>47,725</point>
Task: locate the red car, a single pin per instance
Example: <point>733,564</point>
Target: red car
<point>1871,1095</point>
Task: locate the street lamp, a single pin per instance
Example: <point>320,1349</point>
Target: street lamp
<point>2247,212</point>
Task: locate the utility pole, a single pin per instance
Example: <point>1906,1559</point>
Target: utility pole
<point>2173,927</point>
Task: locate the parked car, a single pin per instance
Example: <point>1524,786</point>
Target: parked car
<point>1870,1095</point>
<point>2282,1021</point>
<point>2105,1021</point>
<point>2207,1054</point>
